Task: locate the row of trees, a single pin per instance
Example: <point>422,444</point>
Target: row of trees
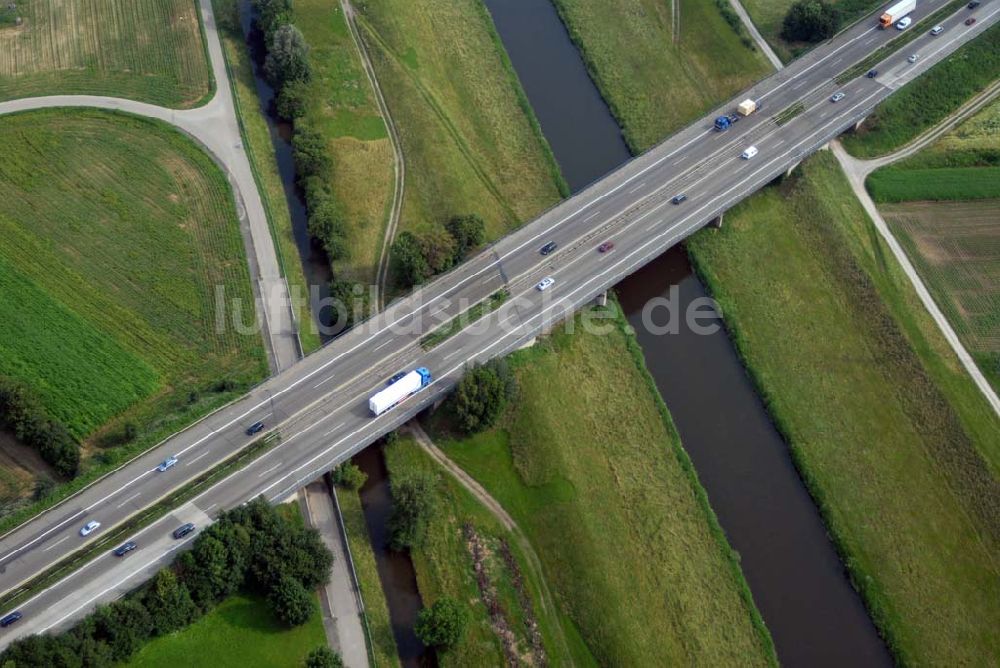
<point>288,71</point>
<point>417,257</point>
<point>251,547</point>
<point>23,414</point>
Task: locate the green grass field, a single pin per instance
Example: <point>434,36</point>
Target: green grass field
<point>241,632</point>
<point>148,50</point>
<point>930,98</point>
<point>902,184</point>
<point>262,158</point>
<point>377,610</point>
<point>654,80</point>
<point>898,447</point>
<point>611,504</point>
<point>768,15</point>
<point>444,567</point>
<point>470,140</point>
<point>109,281</point>
<point>342,105</point>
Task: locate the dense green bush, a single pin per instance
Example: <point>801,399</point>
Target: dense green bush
<point>412,506</point>
<point>442,625</point>
<point>323,657</point>
<point>482,395</point>
<point>417,257</point>
<point>349,476</point>
<point>810,21</point>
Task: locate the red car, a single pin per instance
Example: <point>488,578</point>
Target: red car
<point>605,247</point>
<point>969,22</point>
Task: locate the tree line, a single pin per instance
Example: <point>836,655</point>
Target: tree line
<point>419,256</point>
<point>251,548</point>
<point>23,414</point>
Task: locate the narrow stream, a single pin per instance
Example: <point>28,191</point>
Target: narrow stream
<point>798,582</point>
<point>395,570</point>
<point>315,263</point>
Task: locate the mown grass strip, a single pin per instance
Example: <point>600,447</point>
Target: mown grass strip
<point>945,183</point>
<point>898,43</point>
<point>139,521</point>
<point>789,113</point>
<point>464,319</point>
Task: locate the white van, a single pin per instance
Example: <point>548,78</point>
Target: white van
<point>749,153</point>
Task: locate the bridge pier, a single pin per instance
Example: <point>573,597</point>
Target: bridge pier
<point>601,299</point>
<point>788,172</point>
<point>716,223</point>
<point>857,126</point>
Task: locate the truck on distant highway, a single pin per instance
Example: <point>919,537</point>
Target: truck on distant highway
<point>747,107</point>
<point>896,12</point>
<point>744,108</point>
<point>400,391</point>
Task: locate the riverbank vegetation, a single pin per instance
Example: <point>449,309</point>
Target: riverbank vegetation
<point>659,66</point>
<point>891,436</point>
<point>109,314</point>
<point>627,541</point>
<point>463,554</point>
<point>263,161</point>
<point>262,552</point>
<point>930,98</point>
<point>770,17</point>
<point>469,136</point>
<point>148,50</point>
<point>382,642</point>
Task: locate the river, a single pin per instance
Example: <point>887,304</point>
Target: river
<point>797,579</point>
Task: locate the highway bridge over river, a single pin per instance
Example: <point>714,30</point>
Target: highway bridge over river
<point>319,406</point>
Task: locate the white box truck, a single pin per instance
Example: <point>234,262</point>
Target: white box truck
<point>896,12</point>
<point>400,391</point>
<point>746,107</point>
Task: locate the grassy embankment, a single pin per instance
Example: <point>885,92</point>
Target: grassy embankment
<point>930,98</point>
<point>149,50</point>
<point>470,139</point>
<point>383,643</point>
<point>768,16</point>
<point>444,564</point>
<point>260,150</point>
<point>953,241</point>
<point>896,444</point>
<point>611,503</point>
<point>109,281</point>
<point>341,104</point>
<point>653,80</point>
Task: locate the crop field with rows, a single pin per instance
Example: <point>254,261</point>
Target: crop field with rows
<point>148,50</point>
<point>110,280</point>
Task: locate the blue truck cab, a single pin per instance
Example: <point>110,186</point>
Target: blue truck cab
<point>425,376</point>
<point>723,123</point>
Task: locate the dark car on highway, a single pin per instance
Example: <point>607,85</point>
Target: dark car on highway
<point>125,549</point>
<point>872,74</point>
<point>10,619</point>
<point>971,21</point>
<point>396,377</point>
<point>677,199</point>
<point>183,530</point>
<point>973,4</point>
<point>547,248</point>
<point>255,428</point>
<point>605,247</point>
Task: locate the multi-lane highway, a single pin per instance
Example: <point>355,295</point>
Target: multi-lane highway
<point>319,406</point>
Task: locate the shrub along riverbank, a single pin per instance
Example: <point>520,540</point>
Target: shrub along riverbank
<point>896,444</point>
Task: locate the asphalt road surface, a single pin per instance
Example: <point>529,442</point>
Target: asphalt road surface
<point>319,406</point>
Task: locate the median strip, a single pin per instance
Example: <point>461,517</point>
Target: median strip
<point>464,319</point>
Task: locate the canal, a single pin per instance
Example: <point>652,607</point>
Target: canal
<point>798,582</point>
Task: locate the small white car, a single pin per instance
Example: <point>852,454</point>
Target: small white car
<point>89,528</point>
<point>937,30</point>
<point>904,23</point>
<point>913,58</point>
<point>838,96</point>
<point>749,153</point>
<point>166,464</point>
<point>545,283</point>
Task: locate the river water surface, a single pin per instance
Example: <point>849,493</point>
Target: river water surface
<point>798,582</point>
